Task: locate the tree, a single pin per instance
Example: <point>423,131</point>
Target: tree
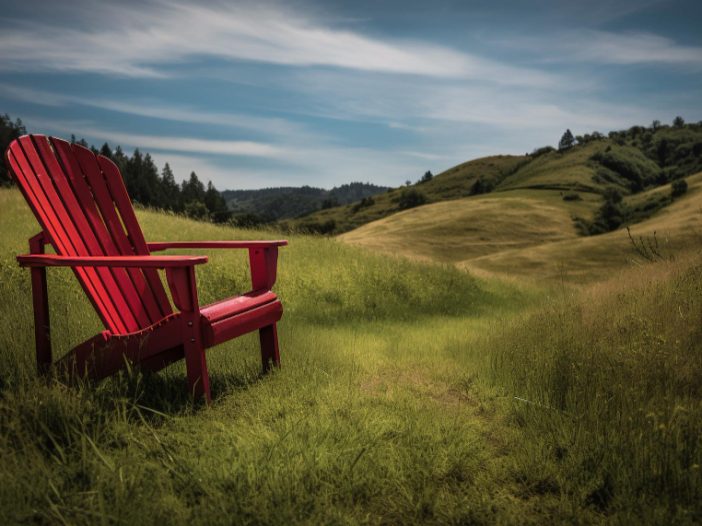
<point>216,204</point>
<point>193,189</point>
<point>678,122</point>
<point>567,141</point>
<point>106,151</point>
<point>428,176</point>
<point>329,202</point>
<point>196,210</point>
<point>9,131</point>
<point>170,190</point>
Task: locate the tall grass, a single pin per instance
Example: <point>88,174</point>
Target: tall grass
<point>395,403</point>
<point>358,426</point>
<point>609,393</point>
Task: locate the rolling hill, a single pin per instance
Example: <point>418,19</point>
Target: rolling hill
<point>530,233</point>
<point>628,162</point>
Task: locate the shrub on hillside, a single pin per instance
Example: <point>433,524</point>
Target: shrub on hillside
<point>542,151</point>
<point>629,164</point>
<point>481,186</point>
<point>678,188</point>
<point>409,198</point>
<point>428,176</point>
<point>325,227</point>
<point>572,196</point>
<point>610,215</point>
<point>363,203</point>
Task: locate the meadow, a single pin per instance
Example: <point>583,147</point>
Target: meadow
<point>411,392</point>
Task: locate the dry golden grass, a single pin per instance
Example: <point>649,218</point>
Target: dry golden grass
<point>529,234</point>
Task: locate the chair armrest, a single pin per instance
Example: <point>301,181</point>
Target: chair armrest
<point>164,245</point>
<point>263,256</point>
<point>55,260</point>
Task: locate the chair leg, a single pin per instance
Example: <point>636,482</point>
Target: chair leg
<point>269,346</point>
<point>196,365</point>
<point>42,331</point>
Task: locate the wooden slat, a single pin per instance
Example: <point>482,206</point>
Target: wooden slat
<point>45,221</point>
<point>139,294</point>
<point>86,198</point>
<point>125,282</point>
<point>76,245</point>
<point>36,197</point>
<point>110,280</point>
<point>115,183</point>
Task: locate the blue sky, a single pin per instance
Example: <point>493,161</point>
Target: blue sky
<point>259,94</point>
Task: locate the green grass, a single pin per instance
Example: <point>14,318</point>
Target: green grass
<point>395,403</point>
<point>454,183</point>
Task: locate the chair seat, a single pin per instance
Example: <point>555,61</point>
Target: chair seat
<point>235,316</point>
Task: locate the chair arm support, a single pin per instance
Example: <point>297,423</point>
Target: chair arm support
<point>55,260</point>
<point>164,245</point>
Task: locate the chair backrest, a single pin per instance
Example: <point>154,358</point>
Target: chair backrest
<point>80,201</point>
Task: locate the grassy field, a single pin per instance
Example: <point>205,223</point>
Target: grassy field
<point>530,233</point>
<point>410,393</point>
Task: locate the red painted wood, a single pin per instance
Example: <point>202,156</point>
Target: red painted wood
<point>85,198</point>
<point>119,195</point>
<point>109,280</point>
<point>133,293</point>
<point>75,245</point>
<point>40,300</point>
<point>184,291</point>
<point>270,353</point>
<point>233,306</point>
<point>82,205</point>
<point>28,181</point>
<point>55,260</point>
<point>251,320</point>
<point>263,263</point>
<point>164,245</point>
<point>104,354</point>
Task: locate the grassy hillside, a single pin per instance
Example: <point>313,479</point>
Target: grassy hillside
<point>530,233</point>
<point>410,393</point>
<point>675,228</point>
<point>628,162</point>
<point>451,184</point>
<point>459,230</point>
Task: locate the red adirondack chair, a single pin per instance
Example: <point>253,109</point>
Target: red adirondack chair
<point>82,205</point>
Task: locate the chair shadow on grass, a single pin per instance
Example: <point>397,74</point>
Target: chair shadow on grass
<point>166,392</point>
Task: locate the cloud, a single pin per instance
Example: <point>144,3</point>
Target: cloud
<point>134,42</point>
<point>156,109</point>
<point>633,48</point>
<point>161,142</point>
<point>605,47</point>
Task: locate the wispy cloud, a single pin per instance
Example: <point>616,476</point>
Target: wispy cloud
<point>119,41</point>
<point>632,48</point>
<point>606,47</point>
<point>161,142</point>
<point>158,110</point>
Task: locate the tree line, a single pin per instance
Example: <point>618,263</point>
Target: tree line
<point>145,184</point>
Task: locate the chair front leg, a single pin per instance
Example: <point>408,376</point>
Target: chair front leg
<point>181,281</point>
<point>40,303</point>
<point>270,353</point>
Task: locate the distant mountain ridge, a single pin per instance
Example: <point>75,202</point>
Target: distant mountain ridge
<point>273,204</point>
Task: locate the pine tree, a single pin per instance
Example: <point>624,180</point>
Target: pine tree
<point>170,190</point>
<point>567,141</point>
